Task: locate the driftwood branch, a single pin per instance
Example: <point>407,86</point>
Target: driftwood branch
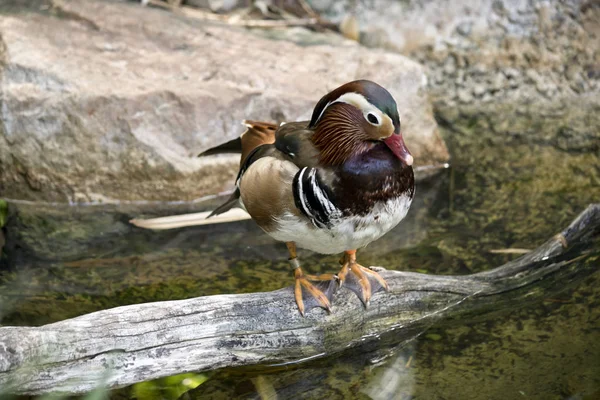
<point>125,345</point>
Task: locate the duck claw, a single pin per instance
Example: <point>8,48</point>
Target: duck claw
<point>312,295</point>
<point>364,282</point>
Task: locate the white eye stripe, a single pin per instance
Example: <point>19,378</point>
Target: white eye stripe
<point>359,101</point>
<point>356,99</point>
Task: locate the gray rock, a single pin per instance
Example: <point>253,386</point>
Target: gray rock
<point>498,7</point>
<point>498,82</point>
<point>479,69</point>
<point>464,28</point>
<point>377,37</point>
<point>216,5</point>
<point>546,87</point>
<point>512,73</point>
<point>198,3</point>
<point>321,5</point>
<point>533,76</point>
<point>479,90</point>
<point>513,83</point>
<point>572,71</point>
<point>578,85</point>
<point>460,78</point>
<point>114,102</point>
<point>556,40</point>
<point>449,66</point>
<point>464,96</point>
<point>223,5</point>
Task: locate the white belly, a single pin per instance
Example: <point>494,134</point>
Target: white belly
<point>346,233</point>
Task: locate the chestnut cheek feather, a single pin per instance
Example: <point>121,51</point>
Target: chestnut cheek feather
<point>398,147</point>
<point>340,133</point>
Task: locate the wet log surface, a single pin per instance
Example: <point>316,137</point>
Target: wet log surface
<point>125,345</point>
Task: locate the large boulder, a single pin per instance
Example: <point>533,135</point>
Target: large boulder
<point>515,67</point>
<point>107,101</point>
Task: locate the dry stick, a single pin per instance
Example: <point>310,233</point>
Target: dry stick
<point>308,9</point>
<point>250,23</point>
<point>313,14</point>
<point>125,345</point>
<point>199,14</point>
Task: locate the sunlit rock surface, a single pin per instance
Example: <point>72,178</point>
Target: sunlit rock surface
<point>105,101</point>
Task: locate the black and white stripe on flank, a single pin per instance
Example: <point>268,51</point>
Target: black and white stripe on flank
<point>311,197</point>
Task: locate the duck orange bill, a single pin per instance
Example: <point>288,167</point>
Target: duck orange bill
<point>396,144</point>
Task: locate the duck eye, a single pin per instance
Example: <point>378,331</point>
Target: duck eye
<point>372,119</point>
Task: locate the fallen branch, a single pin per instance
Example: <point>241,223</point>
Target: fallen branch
<point>125,345</point>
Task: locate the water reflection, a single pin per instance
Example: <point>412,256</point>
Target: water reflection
<point>392,380</point>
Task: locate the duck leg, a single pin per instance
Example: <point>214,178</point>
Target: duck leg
<point>362,281</point>
<point>307,294</point>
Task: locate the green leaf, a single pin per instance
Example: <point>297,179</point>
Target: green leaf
<point>146,390</point>
<point>171,387</point>
<point>179,384</point>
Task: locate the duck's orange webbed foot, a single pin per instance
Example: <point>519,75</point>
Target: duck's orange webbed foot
<point>362,281</point>
<point>307,294</point>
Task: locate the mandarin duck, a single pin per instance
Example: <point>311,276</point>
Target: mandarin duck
<point>331,185</point>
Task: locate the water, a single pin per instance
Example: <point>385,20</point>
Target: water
<point>501,192</point>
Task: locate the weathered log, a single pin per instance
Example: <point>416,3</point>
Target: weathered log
<point>125,345</point>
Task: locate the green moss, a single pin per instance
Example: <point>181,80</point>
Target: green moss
<point>433,336</point>
<point>3,212</point>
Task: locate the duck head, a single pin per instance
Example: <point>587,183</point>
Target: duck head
<point>354,118</point>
